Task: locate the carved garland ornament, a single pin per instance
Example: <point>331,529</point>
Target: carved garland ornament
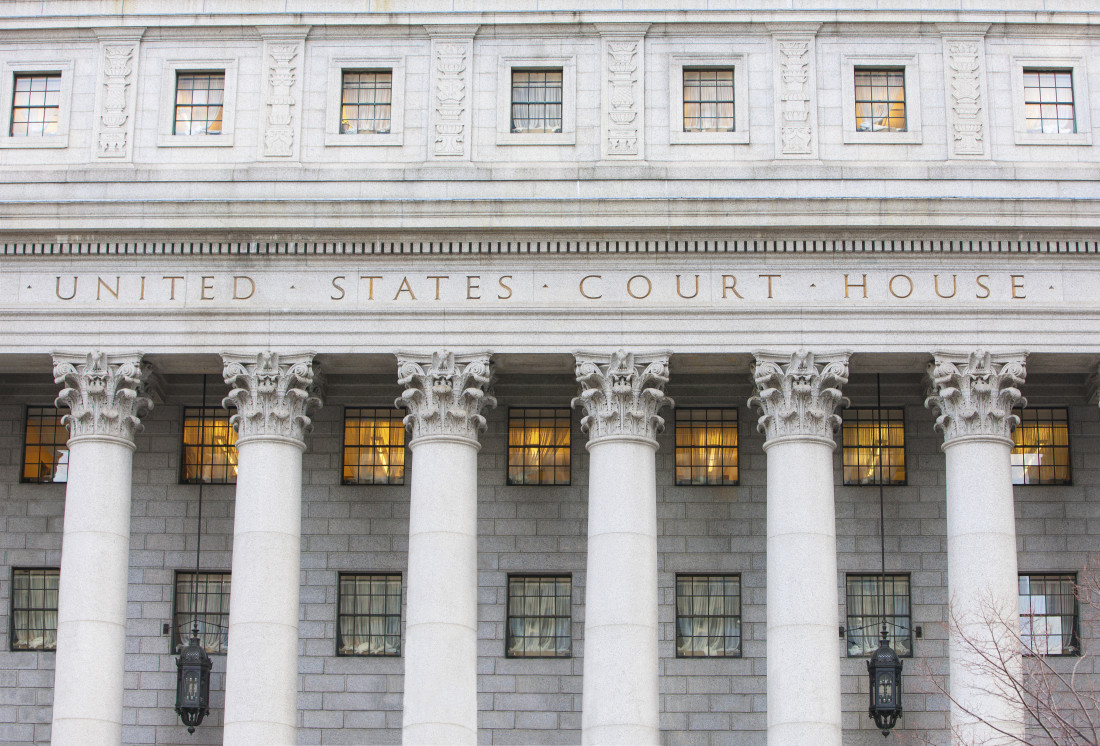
<point>621,394</point>
<point>105,395</point>
<point>445,395</point>
<point>799,398</point>
<point>273,395</point>
<point>975,397</point>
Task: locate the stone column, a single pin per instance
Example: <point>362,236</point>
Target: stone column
<point>798,395</point>
<point>105,395</point>
<point>444,395</point>
<point>973,397</point>
<point>621,395</point>
<point>272,394</point>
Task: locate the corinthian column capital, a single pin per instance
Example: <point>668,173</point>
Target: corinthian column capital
<point>797,394</point>
<point>106,394</point>
<point>272,393</point>
<point>973,395</point>
<point>445,393</point>
<point>621,394</point>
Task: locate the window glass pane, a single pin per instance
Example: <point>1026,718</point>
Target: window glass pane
<point>708,616</point>
<point>865,597</point>
<point>708,100</point>
<point>1040,454</point>
<point>874,446</point>
<point>1048,101</point>
<point>539,445</point>
<point>365,103</point>
<point>199,103</point>
<point>374,446</point>
<point>539,611</point>
<point>45,446</point>
<point>536,100</point>
<point>1048,614</point>
<point>880,100</point>
<point>34,608</point>
<point>209,447</point>
<point>36,105</point>
<point>369,617</point>
<point>202,602</point>
<point>706,447</point>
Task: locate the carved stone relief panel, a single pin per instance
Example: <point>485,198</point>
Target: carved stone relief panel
<point>451,60</point>
<point>114,120</point>
<point>282,103</point>
<point>796,86</point>
<point>623,114</point>
<point>964,63</point>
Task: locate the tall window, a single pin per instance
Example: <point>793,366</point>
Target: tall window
<point>874,446</point>
<point>365,102</point>
<point>1048,614</point>
<point>36,105</point>
<point>706,446</point>
<point>538,446</point>
<point>880,100</point>
<point>374,446</point>
<point>1048,101</point>
<point>708,100</point>
<point>199,98</point>
<point>539,616</point>
<point>34,608</point>
<point>202,600</point>
<point>708,616</point>
<point>369,617</point>
<point>45,446</point>
<point>1040,454</point>
<point>536,100</point>
<point>209,447</point>
<point>866,595</point>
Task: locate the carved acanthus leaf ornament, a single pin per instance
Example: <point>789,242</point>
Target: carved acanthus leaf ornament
<point>105,394</point>
<point>273,394</point>
<point>974,396</point>
<point>445,394</point>
<point>798,398</point>
<point>621,394</point>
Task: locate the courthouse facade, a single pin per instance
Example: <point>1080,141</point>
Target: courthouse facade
<point>527,373</point>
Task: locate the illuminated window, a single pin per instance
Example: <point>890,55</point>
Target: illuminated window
<point>45,446</point>
<point>374,446</point>
<point>199,99</point>
<point>708,616</point>
<point>202,600</point>
<point>865,604</point>
<point>880,100</point>
<point>369,617</point>
<point>706,446</point>
<point>1048,614</point>
<point>34,608</point>
<point>708,100</point>
<point>874,446</point>
<point>538,446</point>
<point>539,616</point>
<point>365,102</point>
<point>36,105</point>
<point>1048,101</point>
<point>209,447</point>
<point>1041,451</point>
<point>536,100</point>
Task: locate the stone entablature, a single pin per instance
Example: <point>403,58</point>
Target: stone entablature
<point>972,396</point>
<point>106,395</point>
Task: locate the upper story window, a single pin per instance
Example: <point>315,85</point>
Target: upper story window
<point>880,100</point>
<point>202,602</point>
<point>199,101</point>
<point>1048,101</point>
<point>374,446</point>
<point>874,446</point>
<point>1049,620</point>
<point>539,446</point>
<point>537,100</point>
<point>706,447</point>
<point>34,608</point>
<point>708,616</point>
<point>209,447</point>
<point>365,102</point>
<point>539,616</point>
<point>45,446</point>
<point>369,617</point>
<point>1040,454</point>
<point>866,595</point>
<point>708,100</point>
<point>36,105</point>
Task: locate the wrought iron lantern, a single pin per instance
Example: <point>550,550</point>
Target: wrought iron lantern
<point>193,682</point>
<point>884,669</point>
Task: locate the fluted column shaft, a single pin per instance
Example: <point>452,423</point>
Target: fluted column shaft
<point>973,397</point>
<point>798,395</point>
<point>444,395</point>
<point>272,396</point>
<point>105,398</point>
<point>621,395</point>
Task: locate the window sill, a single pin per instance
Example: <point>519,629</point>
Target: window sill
<point>852,137</point>
<point>43,141</point>
<point>333,139</point>
<point>1033,138</point>
<point>195,141</point>
<point>536,138</point>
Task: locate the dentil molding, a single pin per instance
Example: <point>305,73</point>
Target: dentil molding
<point>621,394</point>
<point>106,395</point>
<point>798,395</point>
<point>272,393</point>
<point>974,395</point>
<point>445,393</point>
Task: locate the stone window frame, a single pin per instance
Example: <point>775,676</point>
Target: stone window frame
<point>568,66</point>
<point>12,609</point>
<point>1081,101</point>
<point>876,631</point>
<point>11,68</point>
<point>334,100</point>
<point>911,67</point>
<point>176,632</point>
<point>388,575</point>
<point>170,69</point>
<point>676,65</point>
<point>27,445</point>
